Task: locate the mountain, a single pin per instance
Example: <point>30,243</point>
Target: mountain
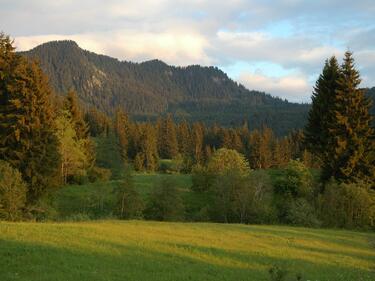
<point>149,89</point>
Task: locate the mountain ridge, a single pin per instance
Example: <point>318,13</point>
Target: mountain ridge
<point>153,88</point>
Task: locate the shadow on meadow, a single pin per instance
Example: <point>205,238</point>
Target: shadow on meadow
<point>162,261</point>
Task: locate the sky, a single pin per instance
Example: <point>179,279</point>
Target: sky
<point>274,46</point>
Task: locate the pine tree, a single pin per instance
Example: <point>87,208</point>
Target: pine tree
<point>317,135</point>
<point>73,106</point>
<point>197,136</point>
<point>184,138</point>
<point>122,129</point>
<point>168,138</point>
<point>352,158</point>
<point>27,132</point>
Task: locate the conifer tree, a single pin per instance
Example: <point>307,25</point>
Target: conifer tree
<point>197,136</point>
<point>318,137</point>
<point>27,138</point>
<point>184,138</point>
<point>352,158</point>
<point>168,138</point>
<point>73,106</point>
<point>339,129</point>
<point>122,129</point>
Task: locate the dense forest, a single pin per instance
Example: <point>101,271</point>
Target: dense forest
<point>146,90</point>
<point>326,170</point>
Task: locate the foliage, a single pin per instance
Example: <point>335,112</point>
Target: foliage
<point>99,174</point>
<point>225,160</point>
<point>302,213</point>
<point>348,205</point>
<point>296,182</point>
<point>129,203</point>
<point>71,149</point>
<point>243,198</point>
<point>12,192</point>
<point>27,139</point>
<point>339,127</point>
<point>165,203</point>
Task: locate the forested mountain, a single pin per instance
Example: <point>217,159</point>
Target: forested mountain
<point>146,90</point>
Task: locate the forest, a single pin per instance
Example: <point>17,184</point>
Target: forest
<point>320,175</point>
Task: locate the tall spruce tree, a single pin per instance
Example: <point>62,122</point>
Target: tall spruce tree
<point>318,137</point>
<point>27,138</point>
<point>122,131</point>
<point>168,145</point>
<point>353,138</point>
<point>339,129</point>
<point>73,106</point>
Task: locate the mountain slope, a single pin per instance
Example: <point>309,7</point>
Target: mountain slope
<point>149,89</point>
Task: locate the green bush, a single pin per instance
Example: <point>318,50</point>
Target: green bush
<point>129,204</point>
<point>165,203</point>
<point>99,174</point>
<point>348,205</point>
<point>301,213</point>
<point>12,192</point>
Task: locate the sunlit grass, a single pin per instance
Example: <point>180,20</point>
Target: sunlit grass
<point>137,250</point>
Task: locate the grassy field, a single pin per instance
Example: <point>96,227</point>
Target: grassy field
<point>137,250</point>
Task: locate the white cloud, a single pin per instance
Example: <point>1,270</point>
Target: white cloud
<point>174,47</point>
<point>206,32</point>
<point>294,88</point>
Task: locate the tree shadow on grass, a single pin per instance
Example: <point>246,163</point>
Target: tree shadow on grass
<point>164,262</point>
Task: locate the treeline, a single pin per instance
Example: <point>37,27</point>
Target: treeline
<point>144,143</point>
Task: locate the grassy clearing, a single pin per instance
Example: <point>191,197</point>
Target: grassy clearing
<point>97,199</point>
<point>137,250</point>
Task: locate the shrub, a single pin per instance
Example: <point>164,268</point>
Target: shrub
<point>139,162</point>
<point>165,203</point>
<point>297,181</point>
<point>99,174</point>
<point>244,198</point>
<point>302,213</point>
<point>129,204</point>
<point>224,160</point>
<point>348,205</point>
<point>12,192</point>
<point>202,179</point>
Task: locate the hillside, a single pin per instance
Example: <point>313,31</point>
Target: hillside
<point>149,89</point>
<point>136,250</point>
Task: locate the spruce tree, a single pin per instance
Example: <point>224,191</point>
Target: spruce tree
<point>339,129</point>
<point>73,106</point>
<point>122,129</point>
<point>352,158</point>
<point>168,138</point>
<point>27,132</point>
<point>318,137</point>
<point>184,138</point>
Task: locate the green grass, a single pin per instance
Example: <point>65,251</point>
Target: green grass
<point>97,199</point>
<point>137,250</point>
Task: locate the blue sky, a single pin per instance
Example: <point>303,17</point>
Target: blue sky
<point>274,46</point>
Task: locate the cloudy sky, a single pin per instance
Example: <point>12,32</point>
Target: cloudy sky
<point>275,46</point>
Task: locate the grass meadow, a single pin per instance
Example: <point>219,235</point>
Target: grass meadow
<point>140,250</point>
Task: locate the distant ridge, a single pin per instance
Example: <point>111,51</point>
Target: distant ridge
<point>152,88</point>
